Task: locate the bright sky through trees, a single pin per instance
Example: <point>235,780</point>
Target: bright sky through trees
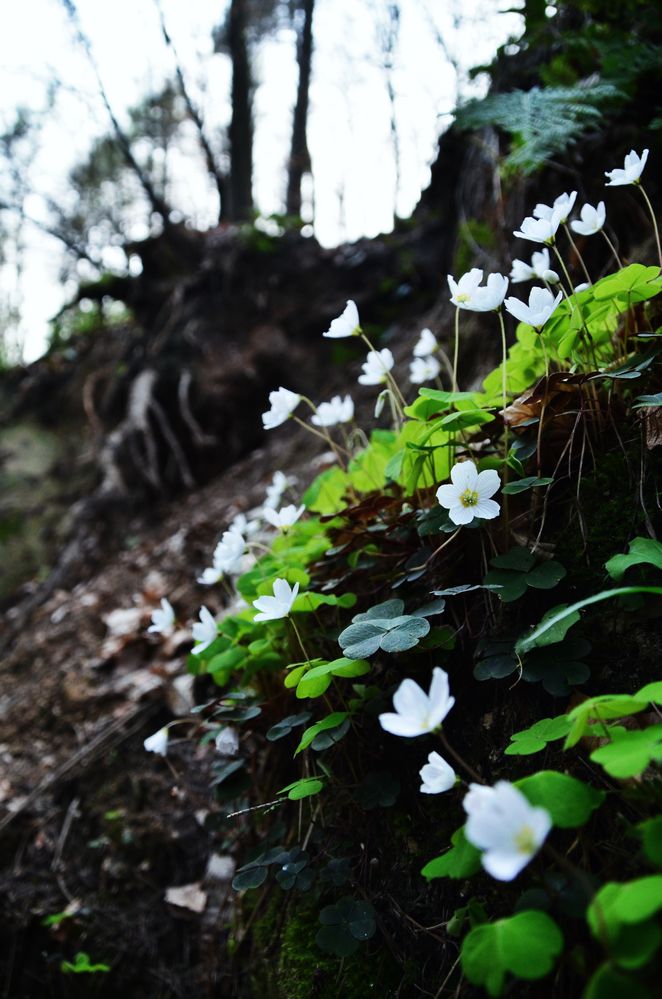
<point>349,124</point>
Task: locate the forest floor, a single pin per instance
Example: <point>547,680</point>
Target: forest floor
<point>94,831</point>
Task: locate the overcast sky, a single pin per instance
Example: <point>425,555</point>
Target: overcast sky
<point>349,123</point>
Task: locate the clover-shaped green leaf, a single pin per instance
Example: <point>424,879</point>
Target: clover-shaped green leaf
<point>518,569</point>
<point>292,870</point>
<point>382,627</point>
<point>345,925</point>
<point>460,862</point>
<point>533,739</point>
<point>643,551</point>
<point>337,872</point>
<point>617,905</point>
<point>602,708</point>
<point>569,801</point>
<point>254,874</point>
<point>334,720</point>
<point>316,681</point>
<point>379,789</point>
<point>558,666</point>
<point>285,726</point>
<point>629,752</point>
<point>525,945</point>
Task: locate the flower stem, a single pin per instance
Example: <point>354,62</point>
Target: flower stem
<point>654,220</point>
<point>456,349</point>
<point>544,403</point>
<point>389,377</point>
<point>504,378</point>
<point>459,759</point>
<point>442,546</point>
<point>504,394</point>
<point>303,647</point>
<point>325,437</point>
<point>563,268</point>
<point>612,248</point>
<point>577,253</point>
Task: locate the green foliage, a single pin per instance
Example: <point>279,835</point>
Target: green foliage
<point>384,627</point>
<point>629,752</point>
<point>345,925</point>
<point>525,945</point>
<point>82,965</point>
<point>541,122</point>
<point>569,801</point>
<point>332,722</point>
<point>556,622</point>
<point>518,569</point>
<point>617,906</point>
<point>534,739</point>
<point>643,551</point>
<point>461,861</point>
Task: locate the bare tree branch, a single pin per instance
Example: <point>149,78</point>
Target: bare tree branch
<point>156,201</point>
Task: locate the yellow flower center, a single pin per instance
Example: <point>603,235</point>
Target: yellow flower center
<point>525,840</point>
<point>463,297</point>
<point>469,498</point>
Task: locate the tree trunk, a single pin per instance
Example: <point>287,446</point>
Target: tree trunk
<point>239,206</point>
<point>299,163</point>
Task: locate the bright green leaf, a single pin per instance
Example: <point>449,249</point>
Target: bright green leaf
<point>525,945</point>
<point>569,801</point>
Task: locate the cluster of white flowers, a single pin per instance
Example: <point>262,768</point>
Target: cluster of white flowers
<point>424,366</point>
<point>501,822</point>
<point>227,559</point>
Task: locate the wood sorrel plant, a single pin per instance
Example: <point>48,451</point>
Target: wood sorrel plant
<point>396,579</point>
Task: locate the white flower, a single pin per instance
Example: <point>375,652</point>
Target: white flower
<point>538,267</point>
<point>582,287</point>
<point>563,204</point>
<point>521,271</point>
<point>633,167</point>
<point>417,712</point>
<point>592,220</point>
<point>469,494</point>
<point>279,483</point>
<point>163,621</point>
<point>229,551</point>
<point>550,276</point>
<point>227,741</point>
<point>436,775</point>
<point>423,369</point>
<point>381,402</point>
<point>242,525</point>
<point>283,403</point>
<point>541,305</point>
<point>540,230</point>
<point>337,411</point>
<point>463,291</point>
<point>204,631</point>
<point>280,605</point>
<point>376,367</point>
<point>426,344</point>
<point>284,518</point>
<point>157,743</point>
<point>490,297</point>
<point>210,576</point>
<point>508,829</point>
<point>468,294</point>
<point>345,325</point>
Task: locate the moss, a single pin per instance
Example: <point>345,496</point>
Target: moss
<point>612,514</point>
<point>288,964</point>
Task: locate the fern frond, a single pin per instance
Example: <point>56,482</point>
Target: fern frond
<point>541,122</point>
